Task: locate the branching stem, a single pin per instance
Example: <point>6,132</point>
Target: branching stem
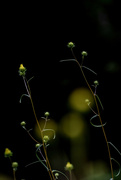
<point>45,152</point>
<point>104,133</point>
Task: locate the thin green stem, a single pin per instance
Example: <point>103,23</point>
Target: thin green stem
<point>95,100</point>
<point>14,175</point>
<point>70,175</point>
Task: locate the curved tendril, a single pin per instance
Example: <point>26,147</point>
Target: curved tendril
<point>60,173</point>
<point>115,148</point>
<point>95,124</point>
<point>52,131</point>
<point>23,96</point>
<point>119,171</point>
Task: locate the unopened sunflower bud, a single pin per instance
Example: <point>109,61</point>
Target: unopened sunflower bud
<point>8,153</point>
<point>69,166</point>
<point>71,45</point>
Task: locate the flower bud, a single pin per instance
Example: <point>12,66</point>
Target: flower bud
<point>84,53</point>
<point>45,139</point>
<point>56,175</point>
<point>23,123</point>
<point>8,153</point>
<point>37,145</point>
<point>47,114</point>
<point>71,45</point>
<point>96,83</point>
<point>69,166</point>
<point>14,165</point>
<point>87,101</point>
<point>22,70</point>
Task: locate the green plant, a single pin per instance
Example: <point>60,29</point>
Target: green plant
<point>8,154</point>
<point>42,146</point>
<point>71,45</point>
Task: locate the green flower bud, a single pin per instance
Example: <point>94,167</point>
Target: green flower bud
<point>45,139</point>
<point>69,166</point>
<point>47,114</point>
<point>14,165</point>
<point>8,153</point>
<point>56,175</point>
<point>23,123</point>
<point>96,83</point>
<point>84,53</point>
<point>87,101</point>
<point>71,45</point>
<point>22,70</point>
<point>37,145</point>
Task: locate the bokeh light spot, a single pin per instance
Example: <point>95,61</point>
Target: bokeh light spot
<point>77,99</point>
<point>72,125</point>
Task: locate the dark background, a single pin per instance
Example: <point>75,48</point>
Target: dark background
<point>37,36</point>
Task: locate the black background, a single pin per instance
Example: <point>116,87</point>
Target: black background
<point>37,36</point>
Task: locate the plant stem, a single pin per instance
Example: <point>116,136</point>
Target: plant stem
<point>104,133</point>
<point>70,175</point>
<point>47,160</point>
<point>14,176</point>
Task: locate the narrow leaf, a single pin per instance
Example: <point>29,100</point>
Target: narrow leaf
<point>32,163</point>
<point>99,101</point>
<point>30,78</point>
<point>119,171</point>
<point>95,124</point>
<point>64,60</point>
<point>89,70</point>
<point>22,97</point>
<point>114,148</point>
<point>41,161</point>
